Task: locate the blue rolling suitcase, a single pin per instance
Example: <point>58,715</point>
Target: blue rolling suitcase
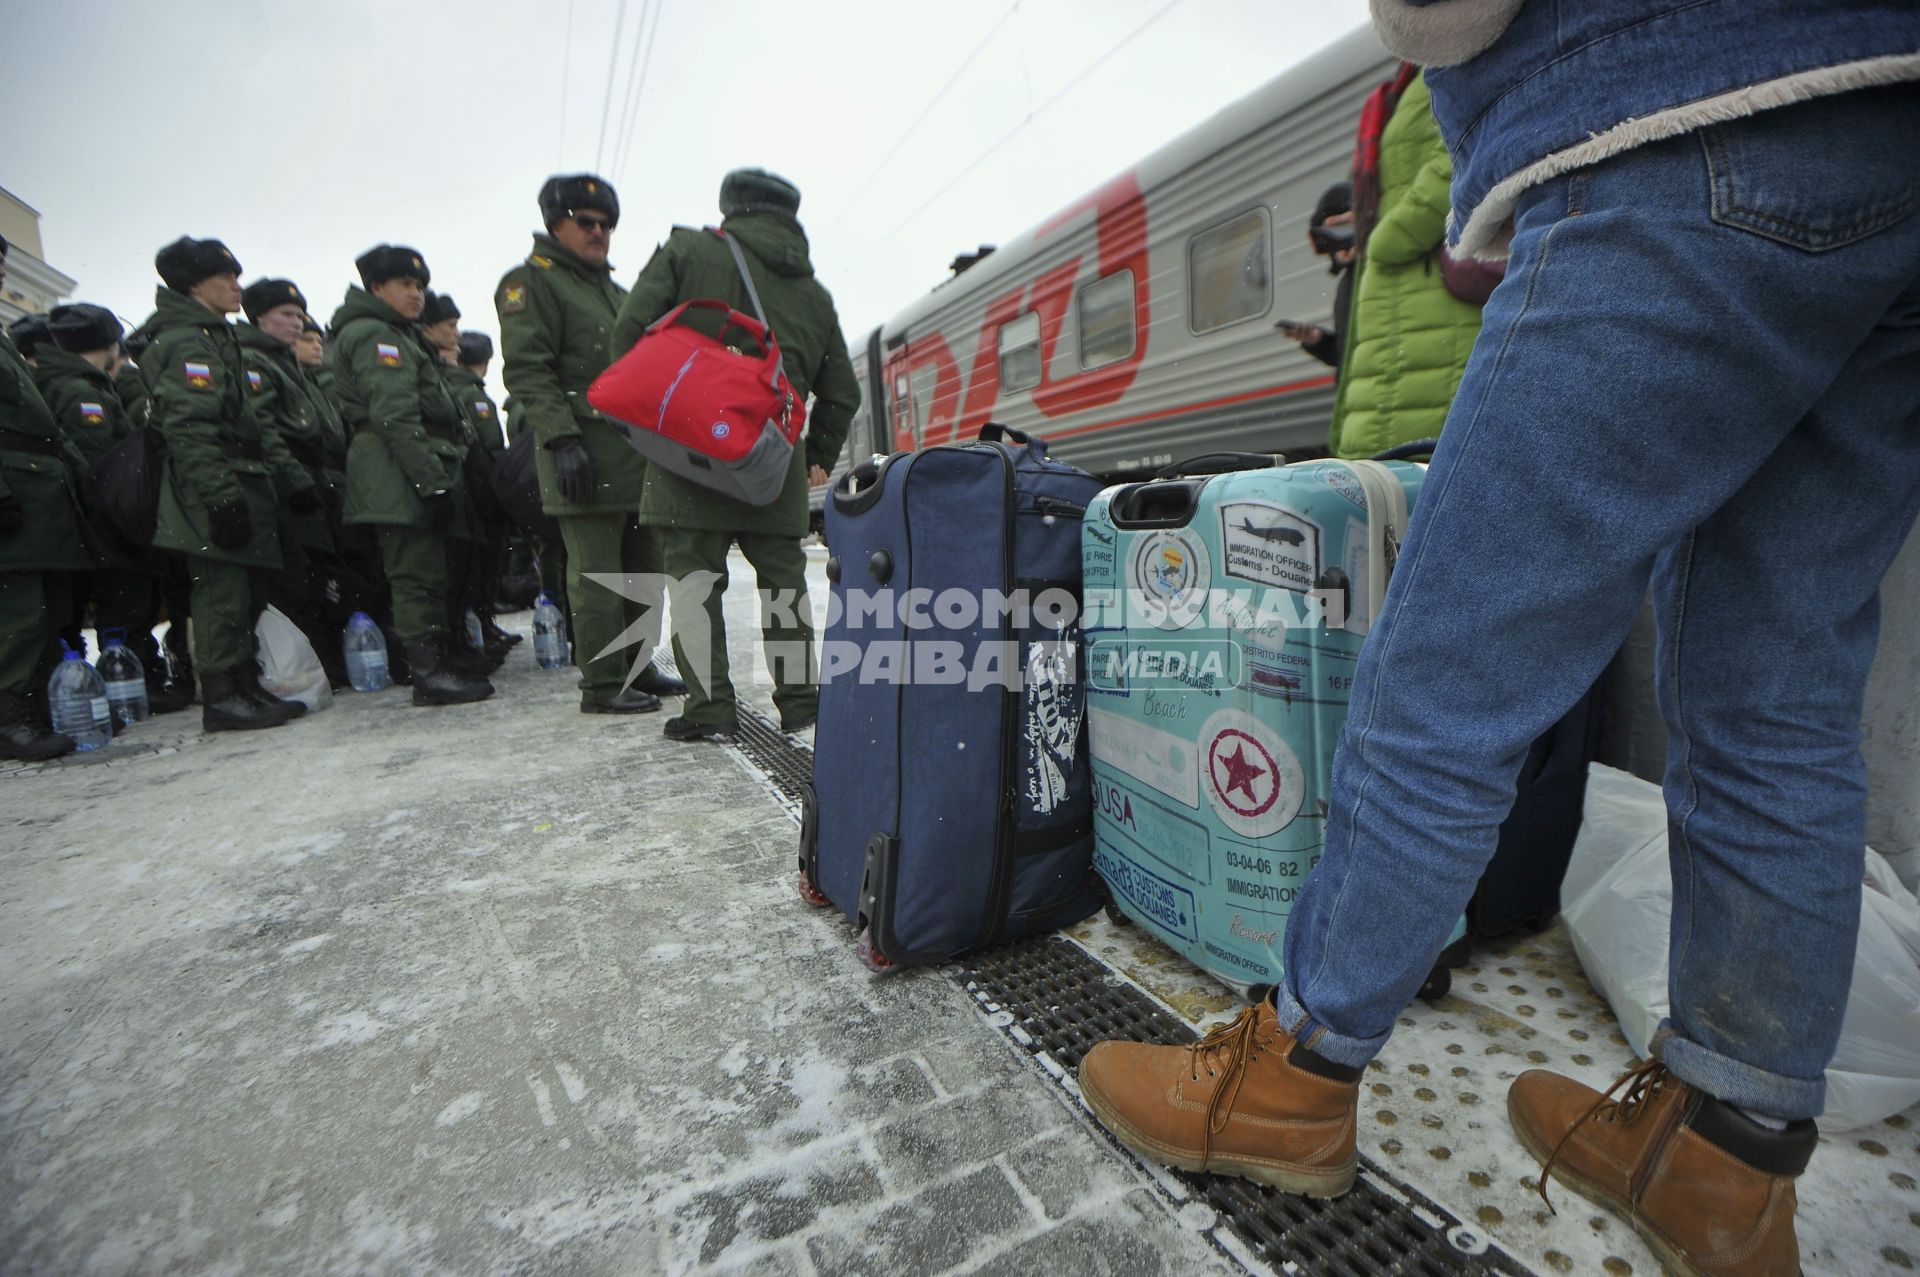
<point>1224,615</point>
<point>951,803</point>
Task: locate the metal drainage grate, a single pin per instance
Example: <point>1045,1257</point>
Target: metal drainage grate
<point>1062,1001</point>
<point>1058,1001</point>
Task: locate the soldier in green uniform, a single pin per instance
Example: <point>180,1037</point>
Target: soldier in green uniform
<point>440,331</point>
<point>467,380</point>
<point>293,408</point>
<point>127,381</point>
<point>403,465</point>
<point>40,547</point>
<point>123,593</point>
<point>697,525</point>
<point>218,504</point>
<point>556,312</point>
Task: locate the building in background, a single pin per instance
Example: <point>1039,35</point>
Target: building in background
<point>31,285</point>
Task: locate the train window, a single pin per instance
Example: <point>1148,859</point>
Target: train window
<point>1106,320</point>
<point>1227,275</point>
<point>1020,352</point>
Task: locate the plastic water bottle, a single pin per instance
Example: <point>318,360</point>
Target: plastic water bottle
<point>549,635</point>
<point>366,652</point>
<point>476,637</point>
<point>78,700</point>
<point>126,681</point>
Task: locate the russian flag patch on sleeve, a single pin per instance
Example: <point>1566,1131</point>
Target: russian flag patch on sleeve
<point>199,376</point>
<point>388,356</point>
<point>92,413</point>
<point>253,379</point>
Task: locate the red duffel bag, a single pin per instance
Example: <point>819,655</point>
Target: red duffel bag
<point>701,406</point>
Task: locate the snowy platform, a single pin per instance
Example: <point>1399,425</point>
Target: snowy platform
<point>507,988</point>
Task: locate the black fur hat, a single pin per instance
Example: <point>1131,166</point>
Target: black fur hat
<point>392,261</point>
<point>438,309</point>
<point>754,190</point>
<point>188,261</point>
<point>27,333</point>
<point>475,348</point>
<point>561,196</point>
<point>263,295</point>
<point>82,327</point>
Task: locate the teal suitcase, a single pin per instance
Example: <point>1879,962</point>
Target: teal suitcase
<point>1224,613</point>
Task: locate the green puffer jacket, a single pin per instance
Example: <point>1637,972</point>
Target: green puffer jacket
<point>35,471</point>
<point>469,391</point>
<point>693,264</point>
<point>406,430</point>
<point>132,386</point>
<point>1408,338</point>
<point>217,450</point>
<point>556,313</point>
<point>285,402</point>
<point>83,401</point>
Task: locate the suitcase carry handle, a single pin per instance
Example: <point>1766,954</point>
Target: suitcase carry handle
<point>994,432</point>
<point>860,487</point>
<point>1220,463</point>
<point>1154,505</point>
<point>1407,451</point>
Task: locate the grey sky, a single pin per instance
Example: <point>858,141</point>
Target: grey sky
<point>301,134</point>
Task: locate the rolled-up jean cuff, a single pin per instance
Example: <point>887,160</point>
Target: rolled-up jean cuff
<point>1317,1037</point>
<point>1732,1082</point>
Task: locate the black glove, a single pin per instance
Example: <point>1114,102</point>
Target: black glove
<point>573,470</point>
<point>304,501</point>
<point>229,524</point>
<point>439,508</point>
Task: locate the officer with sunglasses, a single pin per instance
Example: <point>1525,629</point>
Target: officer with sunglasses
<point>556,311</point>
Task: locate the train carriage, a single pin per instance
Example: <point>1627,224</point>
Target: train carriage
<point>1137,325</point>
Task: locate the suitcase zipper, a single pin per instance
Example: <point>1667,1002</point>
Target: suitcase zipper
<point>1058,506</point>
<point>1003,836</point>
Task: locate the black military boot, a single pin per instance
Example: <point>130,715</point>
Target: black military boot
<point>497,637</point>
<point>166,695</point>
<point>21,735</point>
<point>660,683</point>
<point>226,707</point>
<point>248,676</point>
<point>437,682</point>
<point>467,660</point>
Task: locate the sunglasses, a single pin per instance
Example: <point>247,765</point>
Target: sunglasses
<point>592,222</point>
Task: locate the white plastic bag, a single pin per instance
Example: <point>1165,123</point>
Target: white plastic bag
<point>288,667</point>
<point>1618,901</point>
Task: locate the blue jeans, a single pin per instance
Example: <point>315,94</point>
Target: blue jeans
<point>1702,373</point>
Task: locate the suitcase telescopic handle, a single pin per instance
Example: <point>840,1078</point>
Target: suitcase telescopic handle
<point>1220,463</point>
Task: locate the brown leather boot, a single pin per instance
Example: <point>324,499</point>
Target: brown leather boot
<point>1244,1100</point>
<point>1709,1188</point>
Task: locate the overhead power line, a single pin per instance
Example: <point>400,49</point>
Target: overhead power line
<point>606,99</point>
<point>1032,115</point>
<point>637,89</point>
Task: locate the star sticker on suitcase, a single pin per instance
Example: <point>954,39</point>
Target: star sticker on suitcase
<point>1248,771</point>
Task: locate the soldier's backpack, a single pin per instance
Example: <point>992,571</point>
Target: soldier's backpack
<point>951,805</point>
<point>699,405</point>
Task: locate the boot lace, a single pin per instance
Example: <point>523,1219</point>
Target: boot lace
<point>1643,1081</point>
<point>1224,1053</point>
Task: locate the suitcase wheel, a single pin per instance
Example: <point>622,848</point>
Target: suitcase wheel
<point>1258,993</point>
<point>812,894</point>
<point>1117,918</point>
<point>1438,982</point>
<point>870,955</point>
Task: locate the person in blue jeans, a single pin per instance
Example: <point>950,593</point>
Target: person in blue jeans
<point>1700,375</point>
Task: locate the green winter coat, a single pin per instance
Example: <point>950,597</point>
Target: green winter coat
<point>35,470</point>
<point>406,430</point>
<point>132,387</point>
<point>800,311</point>
<point>1408,337</point>
<point>469,391</point>
<point>83,400</point>
<point>556,314</point>
<point>292,407</point>
<point>217,450</point>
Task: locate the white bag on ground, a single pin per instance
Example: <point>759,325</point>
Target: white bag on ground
<point>288,667</point>
<point>1618,901</point>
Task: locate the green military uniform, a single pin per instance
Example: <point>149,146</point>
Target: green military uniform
<point>217,455</point>
<point>556,313</point>
<point>469,391</point>
<point>122,590</point>
<point>37,558</point>
<point>405,447</point>
<point>131,386</point>
<point>288,403</point>
<point>696,524</point>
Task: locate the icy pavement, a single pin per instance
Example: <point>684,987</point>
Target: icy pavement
<point>506,988</point>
